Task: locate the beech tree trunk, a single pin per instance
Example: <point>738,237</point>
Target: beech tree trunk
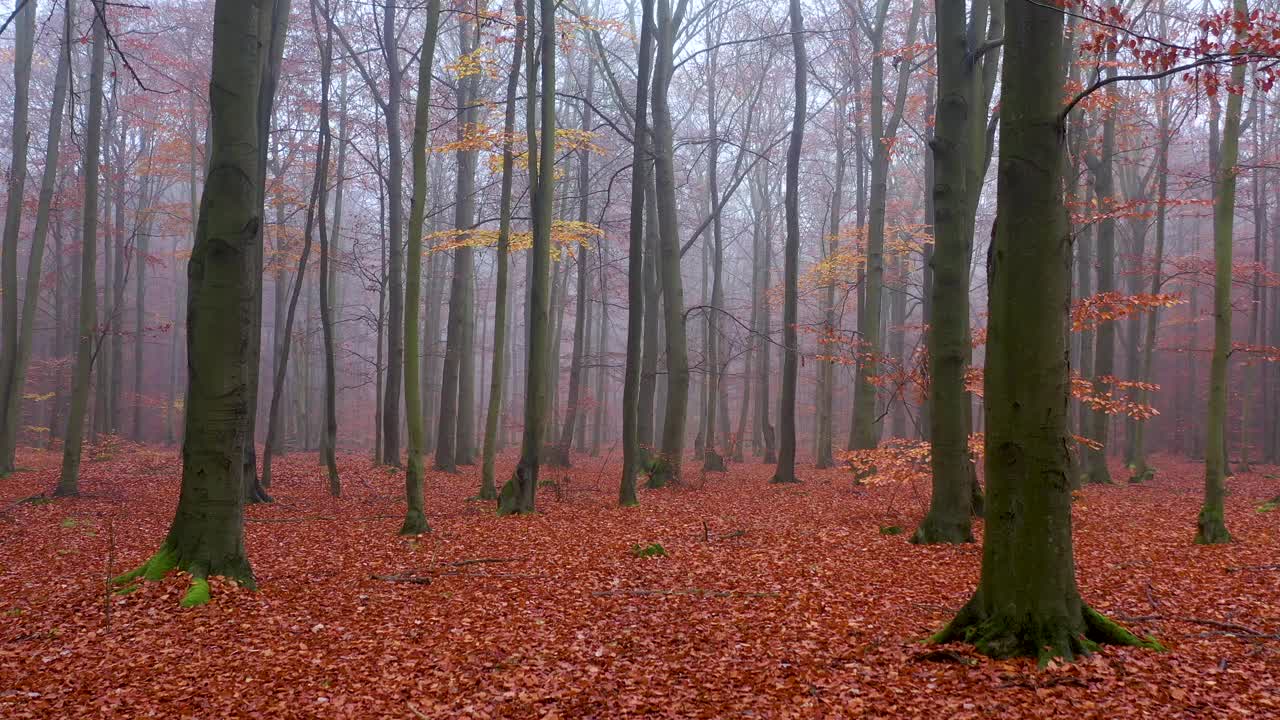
<point>206,537</point>
<point>1027,601</point>
<point>488,486</point>
<point>786,472</point>
<point>415,519</point>
<point>637,302</point>
<point>518,494</point>
<point>72,439</point>
<point>13,364</point>
<point>1211,525</point>
<point>668,469</point>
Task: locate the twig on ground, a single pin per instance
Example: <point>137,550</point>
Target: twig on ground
<point>414,579</point>
<point>697,592</point>
<point>479,561</point>
<point>1233,627</point>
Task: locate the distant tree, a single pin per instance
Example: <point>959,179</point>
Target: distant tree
<point>497,376</point>
<point>632,451</point>
<point>73,438</point>
<point>415,520</point>
<point>786,472</point>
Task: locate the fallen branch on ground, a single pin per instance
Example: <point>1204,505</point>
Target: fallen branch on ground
<point>642,592</point>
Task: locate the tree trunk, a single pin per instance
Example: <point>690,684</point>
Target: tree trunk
<point>488,486</point>
<point>1211,525</point>
<point>866,432</point>
<point>760,262</point>
<point>673,430</point>
<point>581,331</point>
<point>786,472</point>
<point>1104,352</point>
<point>948,518</point>
<point>329,431</point>
<point>518,494</point>
<point>823,457</point>
<point>395,257</point>
<point>638,259</point>
<point>206,537</point>
<point>13,368</point>
<point>1027,601</point>
<point>69,478</point>
<point>415,519</point>
<point>1141,471</point>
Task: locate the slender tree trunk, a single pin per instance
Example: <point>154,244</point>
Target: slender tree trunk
<point>948,518</point>
<point>825,393</point>
<point>395,252</point>
<point>69,478</point>
<point>883,130</point>
<point>1138,457</point>
<point>517,495</point>
<point>761,261</point>
<point>329,433</point>
<point>786,472</point>
<point>637,299</point>
<point>488,486</point>
<point>573,414</point>
<point>415,520</point>
<point>673,431</point>
<point>1211,525</point>
<point>645,423</point>
<point>13,367</point>
<point>1104,352</point>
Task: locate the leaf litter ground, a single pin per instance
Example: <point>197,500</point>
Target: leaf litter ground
<point>770,602</point>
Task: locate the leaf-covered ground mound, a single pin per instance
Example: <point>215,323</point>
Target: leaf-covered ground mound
<point>768,601</point>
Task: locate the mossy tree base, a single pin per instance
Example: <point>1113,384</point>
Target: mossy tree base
<point>713,461</point>
<point>1211,529</point>
<point>415,523</point>
<point>784,478</point>
<point>167,559</point>
<point>661,474</point>
<point>936,530</point>
<point>1043,638</point>
<point>488,490</point>
<point>66,491</point>
<point>1142,473</point>
<point>517,494</point>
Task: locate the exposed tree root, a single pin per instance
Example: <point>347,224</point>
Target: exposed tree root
<point>1005,636</point>
<point>167,560</point>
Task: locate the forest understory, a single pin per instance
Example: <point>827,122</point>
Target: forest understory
<point>770,601</point>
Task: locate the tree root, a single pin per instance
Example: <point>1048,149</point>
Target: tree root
<point>933,531</point>
<point>165,561</point>
<point>1210,528</point>
<point>415,523</point>
<point>1044,639</point>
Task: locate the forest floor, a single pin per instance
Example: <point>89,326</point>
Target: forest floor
<point>772,602</point>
